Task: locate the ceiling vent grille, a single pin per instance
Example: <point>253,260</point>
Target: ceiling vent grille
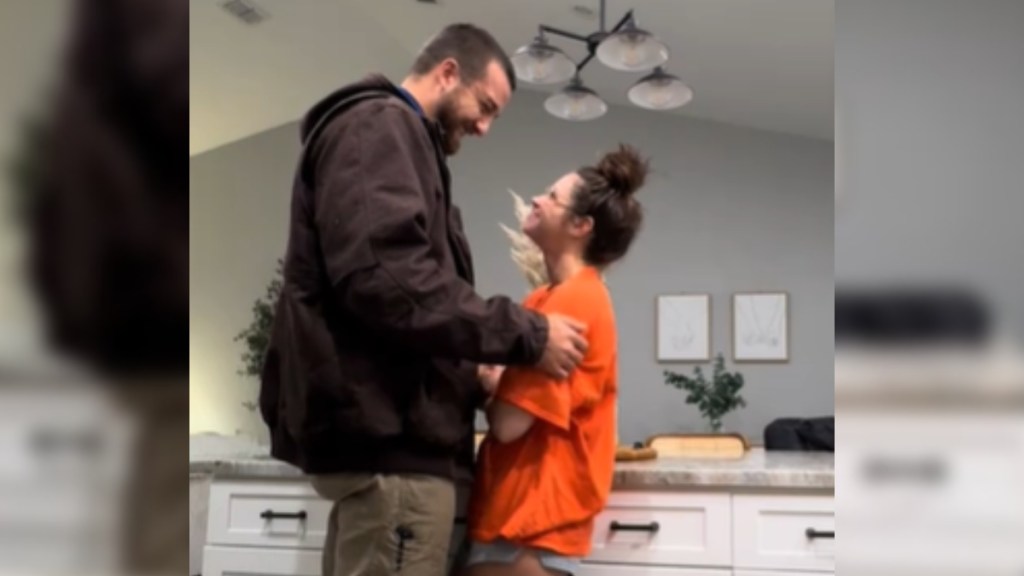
<point>245,11</point>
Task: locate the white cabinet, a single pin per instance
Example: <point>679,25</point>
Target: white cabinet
<point>689,533</point>
<point>277,528</point>
<point>781,532</point>
<point>198,517</point>
<point>63,473</point>
<point>618,570</point>
<point>228,561</point>
<point>673,529</point>
<point>772,573</point>
<point>264,528</point>
<point>267,514</point>
<point>914,503</point>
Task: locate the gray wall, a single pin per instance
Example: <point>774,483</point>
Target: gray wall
<point>238,211</point>
<point>930,143</point>
<point>728,209</point>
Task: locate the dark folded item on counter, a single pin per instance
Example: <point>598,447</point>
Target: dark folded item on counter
<point>910,316</point>
<point>801,434</point>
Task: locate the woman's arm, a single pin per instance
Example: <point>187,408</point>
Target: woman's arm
<point>507,422</point>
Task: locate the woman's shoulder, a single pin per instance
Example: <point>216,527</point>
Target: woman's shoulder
<point>589,285</point>
<point>537,296</point>
<point>583,296</point>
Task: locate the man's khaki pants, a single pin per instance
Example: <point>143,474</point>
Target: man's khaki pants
<point>385,524</point>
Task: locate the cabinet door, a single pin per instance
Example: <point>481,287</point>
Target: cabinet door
<point>198,511</point>
<point>784,532</point>
<point>224,561</point>
<point>663,528</point>
<point>633,570</point>
<point>778,573</point>
<point>267,514</point>
<point>916,503</point>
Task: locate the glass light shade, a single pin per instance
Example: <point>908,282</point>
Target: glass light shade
<point>577,103</point>
<point>660,91</point>
<point>541,63</point>
<point>632,49</point>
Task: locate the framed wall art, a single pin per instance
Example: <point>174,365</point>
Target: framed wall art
<point>683,326</point>
<point>760,327</point>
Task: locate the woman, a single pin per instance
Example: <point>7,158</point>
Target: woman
<point>545,468</point>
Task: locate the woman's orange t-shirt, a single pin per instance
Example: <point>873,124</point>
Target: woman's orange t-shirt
<point>544,489</point>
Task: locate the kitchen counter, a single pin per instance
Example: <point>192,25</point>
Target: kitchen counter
<point>231,478</point>
<point>757,469</point>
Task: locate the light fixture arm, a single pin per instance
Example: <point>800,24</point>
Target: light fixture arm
<point>544,28</point>
<point>593,39</point>
<point>628,18</point>
<point>582,63</point>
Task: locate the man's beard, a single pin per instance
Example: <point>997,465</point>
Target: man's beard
<point>451,126</point>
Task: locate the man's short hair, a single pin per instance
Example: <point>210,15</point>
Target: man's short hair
<point>471,46</point>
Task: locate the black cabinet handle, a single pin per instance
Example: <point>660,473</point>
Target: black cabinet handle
<point>271,515</point>
<point>813,534</point>
<point>617,526</point>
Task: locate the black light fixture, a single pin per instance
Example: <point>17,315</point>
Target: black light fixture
<point>625,47</point>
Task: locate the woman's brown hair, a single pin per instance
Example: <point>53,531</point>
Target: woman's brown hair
<point>607,196</point>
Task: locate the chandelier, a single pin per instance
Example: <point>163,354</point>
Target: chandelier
<point>625,47</point>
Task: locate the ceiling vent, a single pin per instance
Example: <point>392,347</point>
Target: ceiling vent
<point>245,11</point>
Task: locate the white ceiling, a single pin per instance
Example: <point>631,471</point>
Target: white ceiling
<point>766,64</point>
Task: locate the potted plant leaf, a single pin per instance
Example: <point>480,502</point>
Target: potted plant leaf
<point>714,398</point>
<point>255,338</point>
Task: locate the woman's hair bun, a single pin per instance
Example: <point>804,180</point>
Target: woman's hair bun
<point>623,169</point>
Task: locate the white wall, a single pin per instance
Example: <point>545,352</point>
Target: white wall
<point>728,209</point>
<point>930,145</point>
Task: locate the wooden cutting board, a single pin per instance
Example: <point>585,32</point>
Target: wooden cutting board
<point>633,453</point>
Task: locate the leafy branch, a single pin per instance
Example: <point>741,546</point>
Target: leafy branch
<point>714,399</point>
<point>256,336</point>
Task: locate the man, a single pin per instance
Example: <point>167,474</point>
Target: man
<point>105,191</point>
<point>371,378</point>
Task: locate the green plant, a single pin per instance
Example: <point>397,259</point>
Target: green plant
<point>714,399</point>
<point>256,336</point>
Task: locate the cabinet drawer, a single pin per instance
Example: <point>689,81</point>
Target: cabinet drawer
<point>921,488</point>
<point>673,529</point>
<point>626,570</point>
<point>784,532</point>
<point>267,514</point>
<point>219,561</point>
<point>779,573</point>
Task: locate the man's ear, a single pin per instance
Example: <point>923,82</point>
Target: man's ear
<point>449,73</point>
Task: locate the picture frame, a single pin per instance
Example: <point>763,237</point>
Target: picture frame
<point>683,327</point>
<point>760,326</point>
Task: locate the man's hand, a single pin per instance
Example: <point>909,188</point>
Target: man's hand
<point>565,348</point>
<point>489,376</point>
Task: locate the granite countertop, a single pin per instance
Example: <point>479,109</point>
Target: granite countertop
<point>757,469</point>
